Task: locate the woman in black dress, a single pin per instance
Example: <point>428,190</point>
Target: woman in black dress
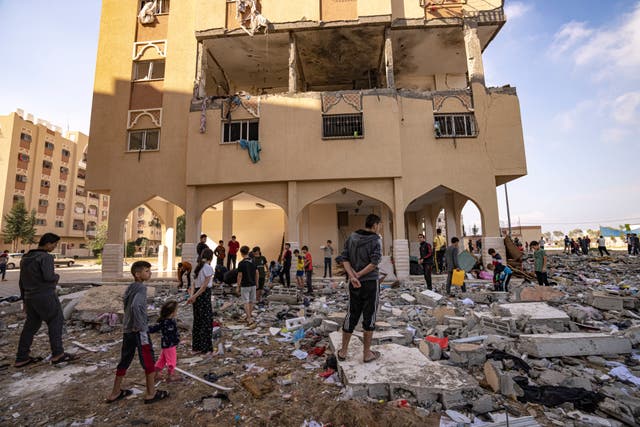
<point>200,291</point>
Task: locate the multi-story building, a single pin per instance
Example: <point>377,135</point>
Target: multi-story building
<point>309,114</point>
<point>143,227</point>
<point>46,170</point>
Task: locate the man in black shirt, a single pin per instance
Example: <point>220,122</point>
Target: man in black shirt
<point>202,245</point>
<point>285,275</point>
<point>247,279</point>
<point>426,259</point>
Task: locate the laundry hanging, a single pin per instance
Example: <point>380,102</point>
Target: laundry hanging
<point>253,147</point>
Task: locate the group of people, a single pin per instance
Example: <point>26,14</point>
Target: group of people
<point>439,257</point>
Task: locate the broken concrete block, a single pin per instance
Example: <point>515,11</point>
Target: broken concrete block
<point>603,301</point>
<point>401,371</point>
<point>429,298</point>
<point>329,326</point>
<point>483,405</point>
<point>103,299</point>
<point>539,293</point>
<point>573,344</point>
<point>284,295</point>
<point>467,354</point>
<point>577,382</point>
<point>551,377</point>
<point>408,298</point>
<point>633,334</point>
<point>440,312</point>
<point>500,381</point>
<point>431,350</point>
<point>211,404</point>
<point>535,314</point>
<point>388,337</point>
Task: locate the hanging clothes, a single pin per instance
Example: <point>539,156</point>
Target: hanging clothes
<point>254,149</point>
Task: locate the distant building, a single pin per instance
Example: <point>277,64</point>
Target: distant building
<point>46,170</point>
<point>524,233</point>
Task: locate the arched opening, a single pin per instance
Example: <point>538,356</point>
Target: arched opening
<point>253,220</point>
<point>335,216</point>
<point>441,208</point>
<point>472,227</point>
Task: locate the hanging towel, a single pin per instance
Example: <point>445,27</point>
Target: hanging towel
<point>254,149</point>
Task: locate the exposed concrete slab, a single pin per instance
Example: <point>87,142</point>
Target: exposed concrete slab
<point>573,344</point>
<point>408,298</point>
<point>388,337</point>
<point>603,301</point>
<point>538,293</point>
<point>103,299</point>
<point>535,311</point>
<point>400,370</point>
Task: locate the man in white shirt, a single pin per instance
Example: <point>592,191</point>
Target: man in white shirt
<point>602,246</point>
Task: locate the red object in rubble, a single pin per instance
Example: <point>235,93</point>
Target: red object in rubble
<point>442,342</point>
<point>327,373</point>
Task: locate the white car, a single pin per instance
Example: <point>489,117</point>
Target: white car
<point>14,260</point>
<point>59,259</point>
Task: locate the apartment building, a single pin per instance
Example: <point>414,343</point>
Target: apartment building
<point>308,115</point>
<point>46,170</point>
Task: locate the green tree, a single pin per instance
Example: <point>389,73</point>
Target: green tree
<point>19,225</point>
<point>575,233</point>
<point>96,245</point>
<point>593,234</point>
<point>558,234</point>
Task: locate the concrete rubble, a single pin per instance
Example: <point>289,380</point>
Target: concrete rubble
<point>562,355</point>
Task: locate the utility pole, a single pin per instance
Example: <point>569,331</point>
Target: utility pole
<point>506,195</point>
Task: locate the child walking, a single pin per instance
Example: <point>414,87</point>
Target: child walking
<point>136,338</point>
<point>168,326</point>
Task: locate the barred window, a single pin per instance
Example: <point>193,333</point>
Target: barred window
<point>59,224</point>
<point>144,140</point>
<point>48,145</point>
<point>240,129</point>
<point>454,125</point>
<point>148,70</point>
<point>342,126</point>
<point>25,137</point>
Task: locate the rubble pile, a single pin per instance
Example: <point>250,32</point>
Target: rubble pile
<point>561,355</point>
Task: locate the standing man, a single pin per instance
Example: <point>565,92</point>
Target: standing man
<point>38,290</point>
<point>361,256</point>
<point>602,246</point>
<point>201,246</point>
<point>308,269</point>
<point>4,260</point>
<point>567,244</point>
<point>426,258</point>
<point>451,258</point>
<point>220,253</point>
<point>542,242</point>
<point>440,246</point>
<point>285,275</point>
<point>247,280</point>
<point>540,257</point>
<point>328,254</point>
<point>234,245</point>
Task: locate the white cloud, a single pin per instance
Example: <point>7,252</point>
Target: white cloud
<point>610,51</point>
<point>515,10</point>
<point>626,108</point>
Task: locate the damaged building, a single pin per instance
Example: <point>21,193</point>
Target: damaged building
<point>302,117</point>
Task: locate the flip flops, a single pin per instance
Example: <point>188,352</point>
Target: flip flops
<point>66,357</point>
<point>340,358</point>
<point>123,394</point>
<point>376,356</point>
<point>29,361</point>
<point>160,395</point>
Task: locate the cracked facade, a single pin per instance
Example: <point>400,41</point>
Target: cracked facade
<point>357,107</point>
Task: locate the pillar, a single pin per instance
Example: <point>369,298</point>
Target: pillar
<point>192,220</point>
<point>387,237</point>
<point>450,219</point>
<point>473,49</point>
<point>113,250</point>
<point>293,228</point>
<point>169,238</point>
<point>411,220</point>
<point>227,220</point>
<point>162,258</point>
<point>491,236</point>
<point>400,243</point>
<point>388,58</point>
<point>293,64</point>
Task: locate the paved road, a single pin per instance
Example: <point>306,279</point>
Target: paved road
<point>83,272</point>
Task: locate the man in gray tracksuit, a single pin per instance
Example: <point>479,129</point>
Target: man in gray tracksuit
<point>38,291</point>
<point>451,259</point>
<point>361,256</point>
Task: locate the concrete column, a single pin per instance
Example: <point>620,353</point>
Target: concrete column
<point>170,248</point>
<point>162,258</point>
<point>227,220</point>
<point>189,253</point>
<point>388,58</point>
<point>293,231</point>
<point>401,258</point>
<point>473,50</point>
<point>398,210</point>
<point>112,259</point>
<point>192,217</point>
<point>450,219</point>
<point>430,231</point>
<point>412,232</point>
<point>293,64</point>
<point>387,237</point>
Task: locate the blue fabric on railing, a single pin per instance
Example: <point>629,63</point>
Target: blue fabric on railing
<point>254,149</point>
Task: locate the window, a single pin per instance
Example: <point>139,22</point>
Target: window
<point>82,174</point>
<point>41,221</point>
<point>21,178</point>
<point>243,129</point>
<point>342,126</point>
<point>43,202</point>
<point>25,137</point>
<point>59,224</point>
<point>44,183</point>
<point>454,125</point>
<point>144,140</point>
<point>60,206</point>
<point>62,188</point>
<point>49,146</point>
<point>47,164</point>
<point>66,153</point>
<point>23,157</point>
<point>148,70</point>
<point>64,170</point>
<point>17,198</point>
<point>163,6</point>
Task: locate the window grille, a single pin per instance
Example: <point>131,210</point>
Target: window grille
<point>148,70</point>
<point>144,140</point>
<point>342,126</point>
<point>25,137</point>
<point>240,129</point>
<point>454,125</point>
<point>59,224</point>
<point>21,178</point>
<point>48,145</point>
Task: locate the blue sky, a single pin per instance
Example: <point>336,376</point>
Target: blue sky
<point>575,64</point>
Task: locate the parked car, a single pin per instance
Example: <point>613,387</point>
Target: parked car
<point>59,259</point>
<point>14,260</point>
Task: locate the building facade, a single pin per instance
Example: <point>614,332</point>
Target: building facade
<point>46,170</point>
<point>325,110</point>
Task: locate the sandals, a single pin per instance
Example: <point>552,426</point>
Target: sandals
<point>376,356</point>
<point>29,361</point>
<point>340,358</point>
<point>160,395</point>
<point>123,394</point>
<point>66,357</point>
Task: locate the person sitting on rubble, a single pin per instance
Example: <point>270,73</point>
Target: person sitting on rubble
<point>275,269</point>
<point>136,338</point>
<point>502,274</point>
<point>184,267</point>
